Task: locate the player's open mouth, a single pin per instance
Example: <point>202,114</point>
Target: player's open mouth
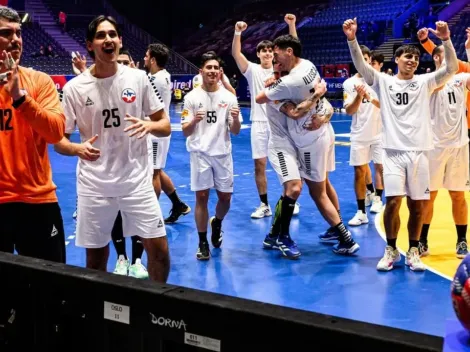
<point>108,50</point>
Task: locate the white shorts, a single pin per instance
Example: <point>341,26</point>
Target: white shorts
<point>160,147</point>
<point>449,168</point>
<point>363,154</point>
<point>318,158</point>
<point>141,216</point>
<point>211,172</point>
<point>259,139</point>
<point>283,159</point>
<point>406,173</point>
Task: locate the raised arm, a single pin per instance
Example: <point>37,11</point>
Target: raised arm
<point>291,20</point>
<point>452,65</point>
<point>237,54</point>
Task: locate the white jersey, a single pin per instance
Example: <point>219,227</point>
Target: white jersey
<point>256,75</point>
<point>162,82</point>
<point>405,111</point>
<point>449,113</point>
<point>98,107</point>
<point>366,126</point>
<point>297,86</point>
<point>211,135</point>
<point>197,81</point>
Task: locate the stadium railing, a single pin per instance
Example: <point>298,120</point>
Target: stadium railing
<point>66,308</point>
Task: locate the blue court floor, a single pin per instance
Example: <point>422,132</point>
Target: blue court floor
<point>320,281</point>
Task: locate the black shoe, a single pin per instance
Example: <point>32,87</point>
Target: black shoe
<point>203,252</point>
<point>216,237</point>
<point>176,212</point>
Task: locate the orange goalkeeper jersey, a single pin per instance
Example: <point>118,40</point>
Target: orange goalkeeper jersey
<point>25,170</point>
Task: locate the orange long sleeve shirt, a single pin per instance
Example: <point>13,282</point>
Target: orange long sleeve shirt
<point>429,46</point>
<point>25,169</point>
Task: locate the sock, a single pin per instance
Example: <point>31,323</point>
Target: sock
<point>423,238</point>
<point>276,225</point>
<point>117,235</point>
<point>264,198</point>
<point>379,192</point>
<point>361,205</point>
<point>461,233</point>
<point>392,242</point>
<point>137,248</point>
<point>287,210</point>
<point>370,187</point>
<point>413,243</point>
<point>340,217</point>
<point>202,236</point>
<point>343,232</point>
<point>175,200</point>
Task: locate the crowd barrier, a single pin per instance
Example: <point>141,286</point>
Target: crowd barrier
<point>65,308</point>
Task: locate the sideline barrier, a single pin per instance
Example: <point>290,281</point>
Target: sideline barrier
<point>65,308</point>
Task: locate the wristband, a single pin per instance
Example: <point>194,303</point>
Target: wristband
<point>238,33</point>
<point>16,104</point>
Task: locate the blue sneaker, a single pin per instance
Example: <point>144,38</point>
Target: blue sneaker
<point>346,248</point>
<point>329,235</point>
<point>288,247</point>
<point>270,242</point>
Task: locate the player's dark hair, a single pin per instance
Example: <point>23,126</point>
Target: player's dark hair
<point>160,53</point>
<point>377,56</point>
<point>365,50</point>
<point>210,55</point>
<point>436,50</point>
<point>93,27</point>
<point>9,14</point>
<point>264,44</point>
<point>123,51</point>
<point>288,41</point>
<point>407,49</point>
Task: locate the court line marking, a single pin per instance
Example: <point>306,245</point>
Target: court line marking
<point>384,237</point>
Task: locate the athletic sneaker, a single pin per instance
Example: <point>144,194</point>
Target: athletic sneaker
<point>414,261</point>
<point>216,236</point>
<point>377,205</point>
<point>122,266</point>
<point>391,256</point>
<point>262,211</point>
<point>462,249</point>
<point>359,219</point>
<point>203,252</point>
<point>369,198</point>
<point>288,247</point>
<point>330,235</point>
<point>346,248</point>
<point>138,271</point>
<point>296,209</point>
<point>423,249</point>
<point>176,212</point>
<point>270,242</point>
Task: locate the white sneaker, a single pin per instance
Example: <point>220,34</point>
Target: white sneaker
<point>262,211</point>
<point>359,219</point>
<point>377,205</point>
<point>138,271</point>
<point>414,261</point>
<point>369,198</point>
<point>122,266</point>
<point>391,256</point>
<point>296,208</point>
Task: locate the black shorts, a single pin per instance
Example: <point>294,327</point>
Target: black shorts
<point>33,230</point>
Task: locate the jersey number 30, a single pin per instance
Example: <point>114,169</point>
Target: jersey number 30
<point>111,118</point>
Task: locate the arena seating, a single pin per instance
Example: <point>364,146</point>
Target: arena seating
<point>33,37</point>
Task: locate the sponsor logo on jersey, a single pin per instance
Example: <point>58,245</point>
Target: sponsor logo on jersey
<point>128,95</point>
<point>185,113</point>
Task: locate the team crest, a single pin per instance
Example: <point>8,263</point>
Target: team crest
<point>128,95</point>
<point>458,83</point>
<point>223,104</point>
